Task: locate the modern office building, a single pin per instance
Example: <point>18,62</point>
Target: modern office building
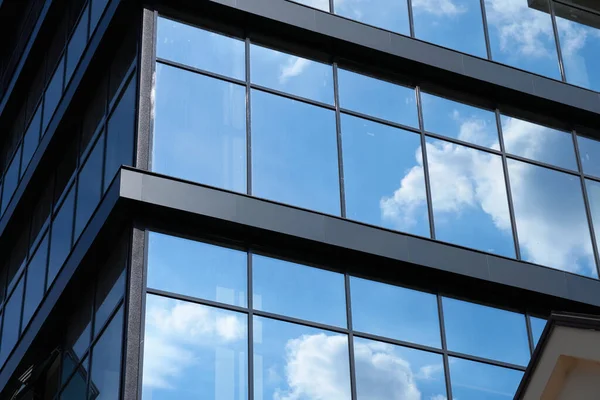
<point>277,200</point>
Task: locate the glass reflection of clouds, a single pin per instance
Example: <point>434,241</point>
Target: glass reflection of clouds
<point>593,192</point>
<point>589,151</point>
<point>537,327</point>
<point>476,381</point>
<point>387,14</point>
<point>193,351</point>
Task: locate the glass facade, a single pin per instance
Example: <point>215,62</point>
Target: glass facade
<point>296,327</point>
<point>329,139</point>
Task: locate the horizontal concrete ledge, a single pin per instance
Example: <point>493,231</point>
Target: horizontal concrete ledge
<point>429,255</point>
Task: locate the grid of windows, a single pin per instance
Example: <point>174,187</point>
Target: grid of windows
<point>228,324</point>
<point>546,37</point>
<point>242,117</point>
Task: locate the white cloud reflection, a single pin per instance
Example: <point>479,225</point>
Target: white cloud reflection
<point>439,7</point>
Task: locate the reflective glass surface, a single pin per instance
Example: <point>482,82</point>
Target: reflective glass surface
<point>579,35</point>
<point>486,332</point>
<point>294,153</point>
<point>538,143</point>
<point>76,45</point>
<point>11,180</point>
<point>200,129</point>
<point>459,121</point>
<point>385,371</point>
<point>377,98</point>
<point>200,49</point>
<point>476,381</point>
<point>319,4</point>
<point>53,94</point>
<point>395,312</point>
<point>106,361</point>
<point>297,362</point>
<point>79,332</point>
<point>298,291</point>
<point>110,289</point>
<point>589,151</point>
<point>193,351</point>
<point>77,386</point>
<point>468,191</point>
<point>36,275</point>
<point>383,176</point>
<point>593,192</point>
<point>537,327</point>
<point>89,188</point>
<point>12,321</point>
<point>387,14</point>
<point>60,243</point>
<point>456,24</point>
<point>522,36</point>
<point>288,73</point>
<point>197,269</point>
<point>551,221</point>
<point>96,12</point>
<point>31,139</point>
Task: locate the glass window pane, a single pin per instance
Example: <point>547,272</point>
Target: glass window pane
<point>477,381</point>
<point>377,98</point>
<point>537,327</point>
<point>459,121</point>
<point>200,129</point>
<point>197,269</point>
<point>538,143</point>
<point>486,332</point>
<point>12,320</point>
<point>319,4</point>
<point>468,192</point>
<point>385,371</point>
<point>298,291</point>
<point>79,331</point>
<point>11,180</point>
<point>77,386</point>
<point>53,94</point>
<point>90,186</point>
<point>551,221</point>
<point>387,14</point>
<point>60,240</point>
<point>106,361</point>
<point>589,151</point>
<point>522,36</point>
<point>77,45</point>
<point>395,312</point>
<point>298,362</point>
<point>201,49</point>
<point>456,24</point>
<point>288,73</point>
<point>294,153</point>
<point>121,131</point>
<point>579,36</point>
<point>193,351</point>
<point>593,192</point>
<point>96,12</point>
<point>110,289</point>
<point>383,176</point>
<point>36,275</point>
<point>32,139</point>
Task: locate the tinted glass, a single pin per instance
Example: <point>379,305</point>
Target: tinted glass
<point>119,139</point>
<point>395,312</point>
<point>579,36</point>
<point>53,94</point>
<point>385,371</point>
<point>459,121</point>
<point>298,291</point>
<point>106,361</point>
<point>201,49</point>
<point>79,332</point>
<point>12,320</point>
<point>468,191</point>
<point>110,289</point>
<point>60,241</point>
<point>486,332</point>
<point>193,351</point>
<point>538,143</point>
<point>593,192</point>
<point>11,180</point>
<point>378,98</point>
<point>76,45</point>
<point>77,386</point>
<point>291,74</point>
<point>200,129</point>
<point>197,269</point>
<point>387,14</point>
<point>294,153</point>
<point>297,362</point>
<point>320,4</point>
<point>31,140</point>
<point>36,275</point>
<point>589,151</point>
<point>476,381</point>
<point>522,36</point>
<point>96,12</point>
<point>537,327</point>
<point>383,176</point>
<point>455,24</point>
<point>551,221</point>
<point>90,186</point>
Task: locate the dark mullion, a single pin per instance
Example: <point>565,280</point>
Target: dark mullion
<point>292,97</point>
<point>462,143</point>
<point>561,66</point>
<point>338,125</point>
<point>542,164</point>
<point>331,7</point>
<point>248,119</point>
<point>350,337</point>
<point>195,300</point>
<point>444,346</point>
<point>379,120</point>
<point>486,361</point>
<point>511,208</point>
<point>93,335</point>
<point>586,203</point>
<point>411,22</point>
<point>397,342</point>
<point>199,71</point>
<point>249,289</point>
<point>425,165</point>
<point>529,333</point>
<point>486,33</point>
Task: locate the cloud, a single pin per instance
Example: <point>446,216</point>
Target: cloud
<point>293,67</point>
<point>439,7</point>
